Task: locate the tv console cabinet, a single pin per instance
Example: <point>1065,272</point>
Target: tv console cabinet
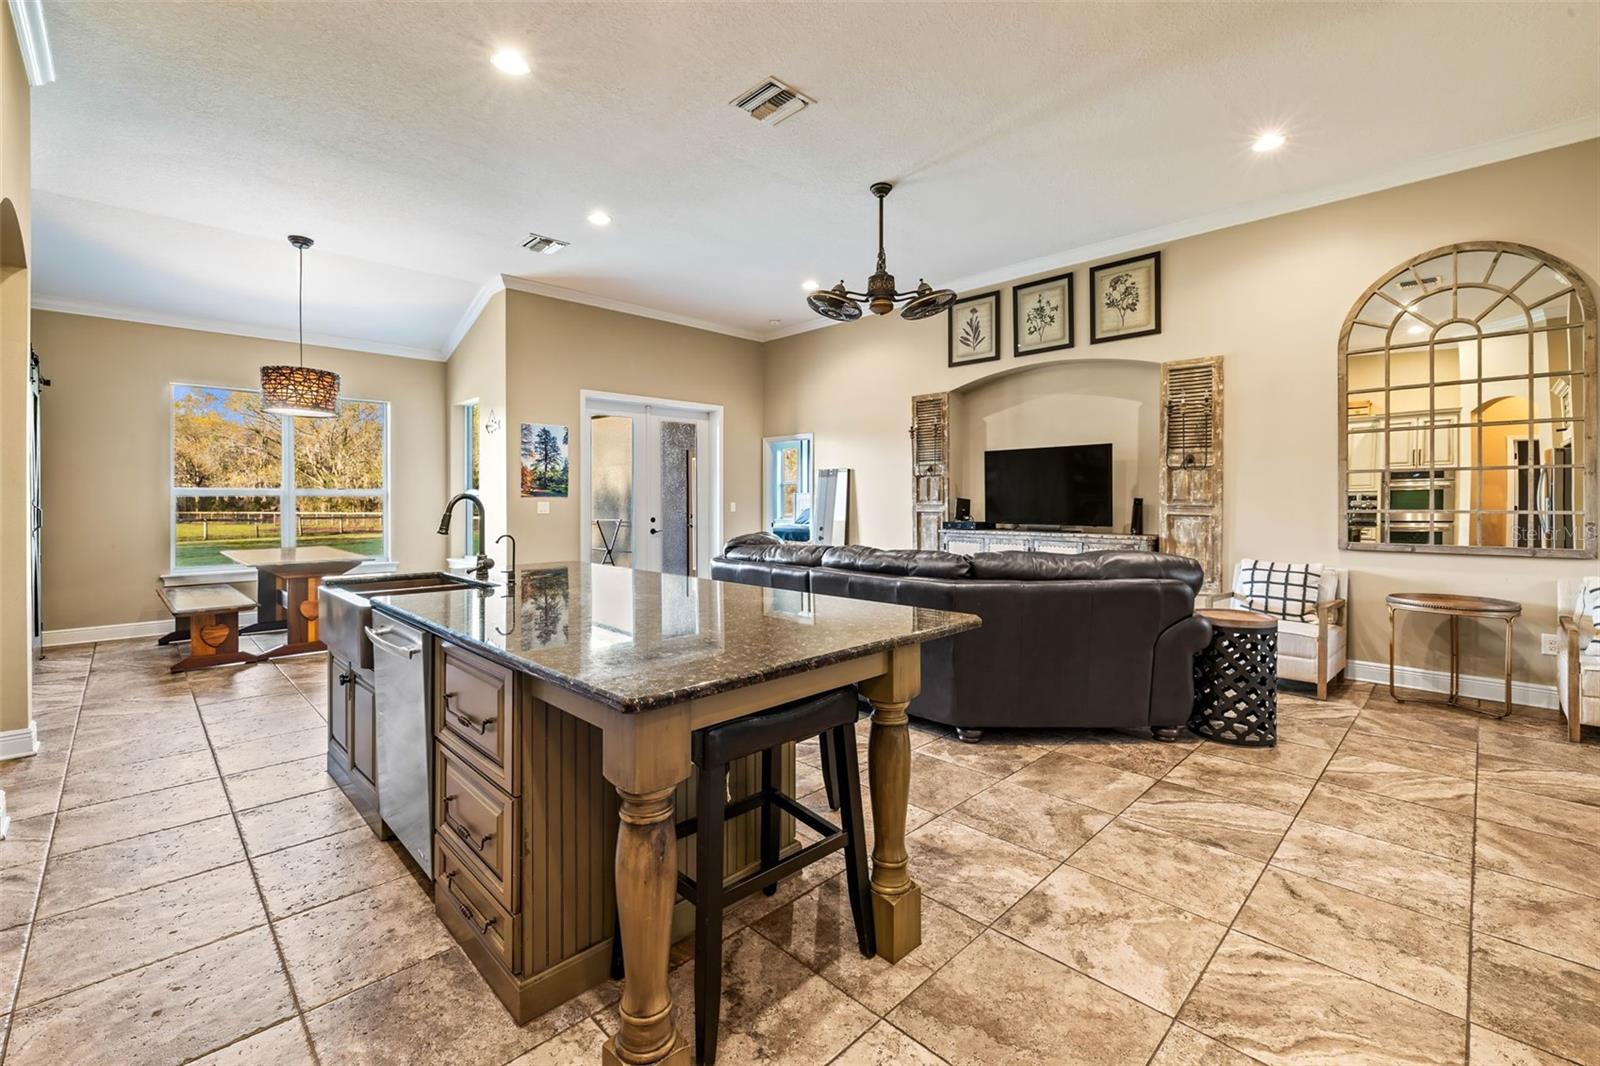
<point>972,541</point>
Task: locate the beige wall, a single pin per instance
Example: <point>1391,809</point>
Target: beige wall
<point>107,443</point>
<point>1270,298</point>
<point>555,348</point>
<point>1098,401</point>
<point>476,373</point>
<point>15,246</point>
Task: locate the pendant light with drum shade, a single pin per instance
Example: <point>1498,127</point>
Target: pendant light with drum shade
<point>842,305</point>
<point>300,390</point>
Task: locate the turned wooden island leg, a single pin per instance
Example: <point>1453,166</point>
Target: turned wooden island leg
<point>647,872</point>
<point>646,756</point>
<point>896,899</point>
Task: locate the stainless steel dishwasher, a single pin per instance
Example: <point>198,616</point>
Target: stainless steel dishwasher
<point>405,742</point>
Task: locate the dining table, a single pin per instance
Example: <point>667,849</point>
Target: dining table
<point>296,572</point>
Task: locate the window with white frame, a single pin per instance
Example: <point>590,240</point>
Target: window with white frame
<point>471,434</point>
<point>243,478</point>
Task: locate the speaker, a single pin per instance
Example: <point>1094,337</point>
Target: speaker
<point>1138,516</point>
<point>963,509</point>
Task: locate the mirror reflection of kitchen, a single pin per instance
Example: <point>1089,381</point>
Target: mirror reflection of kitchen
<point>1471,439</point>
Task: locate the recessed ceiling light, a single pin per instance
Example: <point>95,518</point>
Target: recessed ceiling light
<point>599,218</point>
<point>1269,141</point>
<point>774,321</point>
<point>1418,329</point>
<point>510,61</point>
<point>810,285</point>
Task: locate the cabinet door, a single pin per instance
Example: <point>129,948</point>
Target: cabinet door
<point>363,730</point>
<point>1057,546</point>
<point>1405,444</point>
<point>339,684</point>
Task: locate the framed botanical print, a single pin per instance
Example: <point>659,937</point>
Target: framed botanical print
<point>1125,299</point>
<point>1041,315</point>
<point>975,329</point>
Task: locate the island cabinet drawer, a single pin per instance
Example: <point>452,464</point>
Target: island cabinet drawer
<point>470,909</point>
<point>477,713</point>
<point>480,823</point>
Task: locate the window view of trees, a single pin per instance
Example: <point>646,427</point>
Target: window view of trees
<point>226,451</point>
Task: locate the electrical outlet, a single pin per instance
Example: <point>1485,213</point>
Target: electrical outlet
<point>544,507</point>
<point>1549,643</point>
<point>732,507</point>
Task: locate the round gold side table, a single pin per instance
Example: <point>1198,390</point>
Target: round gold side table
<point>1455,608</point>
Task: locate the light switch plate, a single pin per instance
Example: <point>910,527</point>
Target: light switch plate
<point>1549,643</point>
<point>544,506</point>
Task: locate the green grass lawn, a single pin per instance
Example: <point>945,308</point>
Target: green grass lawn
<point>192,551</point>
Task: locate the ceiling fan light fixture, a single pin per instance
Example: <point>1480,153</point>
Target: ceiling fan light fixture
<point>842,305</point>
<point>927,302</point>
<point>835,303</point>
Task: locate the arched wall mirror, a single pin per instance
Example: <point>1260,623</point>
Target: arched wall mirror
<point>1468,403</point>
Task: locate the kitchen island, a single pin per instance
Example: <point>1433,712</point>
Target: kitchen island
<point>535,691</point>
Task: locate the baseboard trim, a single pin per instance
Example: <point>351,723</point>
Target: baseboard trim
<point>160,627</point>
<point>1492,689</point>
<point>19,743</point>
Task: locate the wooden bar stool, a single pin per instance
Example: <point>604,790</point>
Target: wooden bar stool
<point>831,716</point>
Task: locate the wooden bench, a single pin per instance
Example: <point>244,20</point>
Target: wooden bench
<point>211,615</point>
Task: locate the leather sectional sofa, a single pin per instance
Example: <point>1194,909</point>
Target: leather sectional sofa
<point>1103,640</point>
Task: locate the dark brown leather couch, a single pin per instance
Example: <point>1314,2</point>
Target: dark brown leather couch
<point>1105,639</point>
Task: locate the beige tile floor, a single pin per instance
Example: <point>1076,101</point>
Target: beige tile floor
<point>1410,884</point>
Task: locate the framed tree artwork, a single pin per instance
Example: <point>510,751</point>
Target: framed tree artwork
<point>975,329</point>
<point>1125,299</point>
<point>1041,315</point>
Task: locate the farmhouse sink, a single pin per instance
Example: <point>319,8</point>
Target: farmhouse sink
<point>344,607</point>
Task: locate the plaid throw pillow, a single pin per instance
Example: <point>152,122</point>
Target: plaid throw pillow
<point>1285,590</point>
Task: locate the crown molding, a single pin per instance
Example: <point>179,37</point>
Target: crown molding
<point>469,317</point>
<point>33,41</point>
<point>1433,167</point>
<point>234,329</point>
<point>556,292</point>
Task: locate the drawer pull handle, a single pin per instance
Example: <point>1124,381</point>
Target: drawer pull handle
<point>481,926</point>
<point>466,835</point>
<point>467,721</point>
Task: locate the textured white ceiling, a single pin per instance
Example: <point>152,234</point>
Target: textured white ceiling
<point>181,142</point>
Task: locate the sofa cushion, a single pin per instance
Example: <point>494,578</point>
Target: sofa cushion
<point>1090,566</point>
<point>903,562</point>
<point>766,548</point>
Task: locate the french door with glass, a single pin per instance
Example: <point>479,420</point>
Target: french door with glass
<point>650,486</point>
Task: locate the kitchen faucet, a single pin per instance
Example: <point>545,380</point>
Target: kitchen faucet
<point>511,567</point>
<point>483,564</point>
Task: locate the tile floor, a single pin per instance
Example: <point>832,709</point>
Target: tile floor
<point>183,883</point>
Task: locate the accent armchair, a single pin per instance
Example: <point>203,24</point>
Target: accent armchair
<point>1577,660</point>
<point>1311,650</point>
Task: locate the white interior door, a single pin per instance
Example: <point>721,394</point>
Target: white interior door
<point>650,494</point>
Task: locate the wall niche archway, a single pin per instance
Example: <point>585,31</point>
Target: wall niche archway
<point>1084,401</point>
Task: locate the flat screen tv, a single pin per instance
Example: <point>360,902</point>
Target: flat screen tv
<point>1068,486</point>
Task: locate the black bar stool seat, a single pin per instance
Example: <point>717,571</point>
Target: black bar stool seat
<point>830,716</point>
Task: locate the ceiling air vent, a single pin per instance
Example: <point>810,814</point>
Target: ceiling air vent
<point>542,244</point>
<point>772,101</point>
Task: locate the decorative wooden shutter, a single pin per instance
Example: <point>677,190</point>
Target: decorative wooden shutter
<point>1191,467</point>
<point>930,467</point>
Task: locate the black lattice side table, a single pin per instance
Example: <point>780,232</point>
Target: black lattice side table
<point>1236,680</point>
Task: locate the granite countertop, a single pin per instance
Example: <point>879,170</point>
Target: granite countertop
<point>635,640</point>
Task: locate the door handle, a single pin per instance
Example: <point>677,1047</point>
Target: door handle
<point>376,636</point>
